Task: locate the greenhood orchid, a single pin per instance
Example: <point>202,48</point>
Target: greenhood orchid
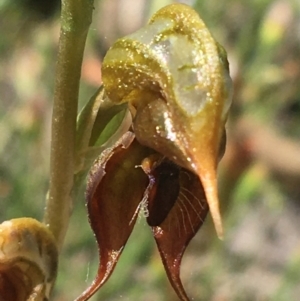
<point>174,79</point>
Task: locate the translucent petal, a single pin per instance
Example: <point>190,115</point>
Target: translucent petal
<point>177,209</point>
<point>114,193</point>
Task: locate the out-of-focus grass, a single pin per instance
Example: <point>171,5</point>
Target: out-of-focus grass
<point>259,259</point>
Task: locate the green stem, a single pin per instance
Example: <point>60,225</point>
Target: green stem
<point>76,16</point>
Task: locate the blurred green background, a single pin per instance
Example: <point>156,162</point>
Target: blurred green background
<point>259,175</point>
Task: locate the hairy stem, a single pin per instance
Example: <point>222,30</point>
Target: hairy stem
<point>76,16</point>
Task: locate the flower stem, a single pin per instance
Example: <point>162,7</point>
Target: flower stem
<point>76,16</point>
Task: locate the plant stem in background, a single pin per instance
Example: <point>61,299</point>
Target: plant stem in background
<point>76,18</point>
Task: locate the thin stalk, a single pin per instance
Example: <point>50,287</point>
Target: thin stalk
<point>76,16</point>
